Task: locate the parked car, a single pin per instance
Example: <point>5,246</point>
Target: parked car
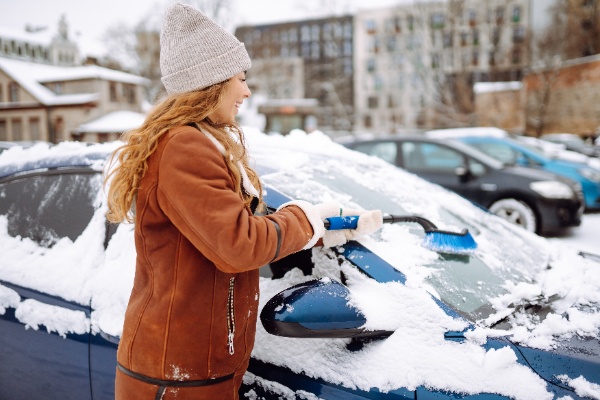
<point>535,200</point>
<point>513,152</point>
<point>381,318</point>
<point>573,142</point>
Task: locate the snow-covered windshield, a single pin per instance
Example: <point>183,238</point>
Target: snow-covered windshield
<point>466,282</point>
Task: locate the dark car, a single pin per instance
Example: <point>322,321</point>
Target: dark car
<point>379,318</point>
<point>536,200</point>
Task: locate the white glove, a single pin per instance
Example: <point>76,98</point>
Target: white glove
<point>369,222</point>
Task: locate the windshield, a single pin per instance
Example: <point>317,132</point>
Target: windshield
<point>467,283</point>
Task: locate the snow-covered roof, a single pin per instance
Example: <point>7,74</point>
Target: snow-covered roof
<point>488,87</point>
<point>42,37</point>
<point>31,76</point>
<point>118,121</point>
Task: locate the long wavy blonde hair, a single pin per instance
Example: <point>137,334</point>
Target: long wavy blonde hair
<point>129,163</point>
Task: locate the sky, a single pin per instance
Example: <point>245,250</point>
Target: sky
<point>88,20</point>
<point>414,354</point>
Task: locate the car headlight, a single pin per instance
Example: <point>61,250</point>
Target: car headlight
<point>552,189</point>
<point>591,174</point>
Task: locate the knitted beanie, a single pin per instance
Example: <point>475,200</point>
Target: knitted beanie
<point>195,52</point>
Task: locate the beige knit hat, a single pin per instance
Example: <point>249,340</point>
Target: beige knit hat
<point>195,52</point>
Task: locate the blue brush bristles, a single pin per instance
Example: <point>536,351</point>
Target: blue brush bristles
<point>452,243</point>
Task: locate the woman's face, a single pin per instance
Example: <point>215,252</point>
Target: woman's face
<point>236,90</point>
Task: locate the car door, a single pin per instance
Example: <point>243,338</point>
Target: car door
<point>445,166</point>
<point>44,337</point>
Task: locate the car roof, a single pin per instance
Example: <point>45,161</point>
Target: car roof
<point>44,156</point>
<point>450,142</point>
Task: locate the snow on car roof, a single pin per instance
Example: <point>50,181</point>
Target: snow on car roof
<point>17,159</point>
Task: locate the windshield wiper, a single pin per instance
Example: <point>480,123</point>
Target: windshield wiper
<point>537,303</point>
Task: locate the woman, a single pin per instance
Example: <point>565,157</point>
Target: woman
<point>183,178</point>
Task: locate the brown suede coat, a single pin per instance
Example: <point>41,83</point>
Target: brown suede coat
<point>198,253</point>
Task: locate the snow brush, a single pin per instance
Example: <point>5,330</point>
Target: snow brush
<point>435,239</point>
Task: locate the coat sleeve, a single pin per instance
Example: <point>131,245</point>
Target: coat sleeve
<point>196,192</point>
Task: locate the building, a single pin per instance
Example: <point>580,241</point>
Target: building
<point>416,64</point>
<point>45,94</point>
<point>310,59</point>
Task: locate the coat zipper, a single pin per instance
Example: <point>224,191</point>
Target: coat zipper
<point>230,316</point>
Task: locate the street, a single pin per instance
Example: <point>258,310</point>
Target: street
<point>585,236</point>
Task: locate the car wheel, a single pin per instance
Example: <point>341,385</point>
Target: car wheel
<point>515,211</point>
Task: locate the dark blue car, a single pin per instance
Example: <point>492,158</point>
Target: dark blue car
<point>383,318</point>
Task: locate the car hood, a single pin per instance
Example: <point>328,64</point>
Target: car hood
<point>574,358</point>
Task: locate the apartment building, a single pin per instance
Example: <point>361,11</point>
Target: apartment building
<point>310,59</point>
<point>46,94</point>
<point>416,64</point>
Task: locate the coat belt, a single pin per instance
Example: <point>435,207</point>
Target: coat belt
<point>168,383</point>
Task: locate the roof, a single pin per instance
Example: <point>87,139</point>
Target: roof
<point>118,121</point>
<point>31,76</point>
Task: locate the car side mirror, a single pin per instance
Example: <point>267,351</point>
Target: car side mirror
<point>315,309</point>
<point>463,173</point>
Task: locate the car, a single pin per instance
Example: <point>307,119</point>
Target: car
<point>572,142</point>
<point>535,200</point>
<point>513,152</point>
<point>380,318</point>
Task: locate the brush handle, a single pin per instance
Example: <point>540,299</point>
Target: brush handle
<point>337,223</point>
<point>351,222</point>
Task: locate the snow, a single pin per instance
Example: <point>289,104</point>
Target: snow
<point>117,121</point>
<point>488,87</point>
<point>104,278</point>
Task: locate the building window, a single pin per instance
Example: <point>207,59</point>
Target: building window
<point>3,130</point>
<point>518,33</point>
<point>437,20</point>
<point>370,26</point>
<point>112,91</point>
<point>13,92</point>
<point>371,66</point>
<point>516,14</point>
<point>447,39</point>
<point>368,121</point>
<point>499,14</point>
<point>315,51</point>
<point>472,17</point>
<point>129,93</point>
<point>435,61</point>
<point>305,33</point>
<point>373,102</point>
<point>475,57</point>
<point>1,93</point>
<point>314,32</point>
<point>17,129</point>
<point>34,128</point>
<point>475,37</point>
<point>516,56</point>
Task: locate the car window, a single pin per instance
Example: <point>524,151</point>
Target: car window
<point>499,151</point>
<point>385,150</point>
<point>49,206</point>
<point>430,157</point>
